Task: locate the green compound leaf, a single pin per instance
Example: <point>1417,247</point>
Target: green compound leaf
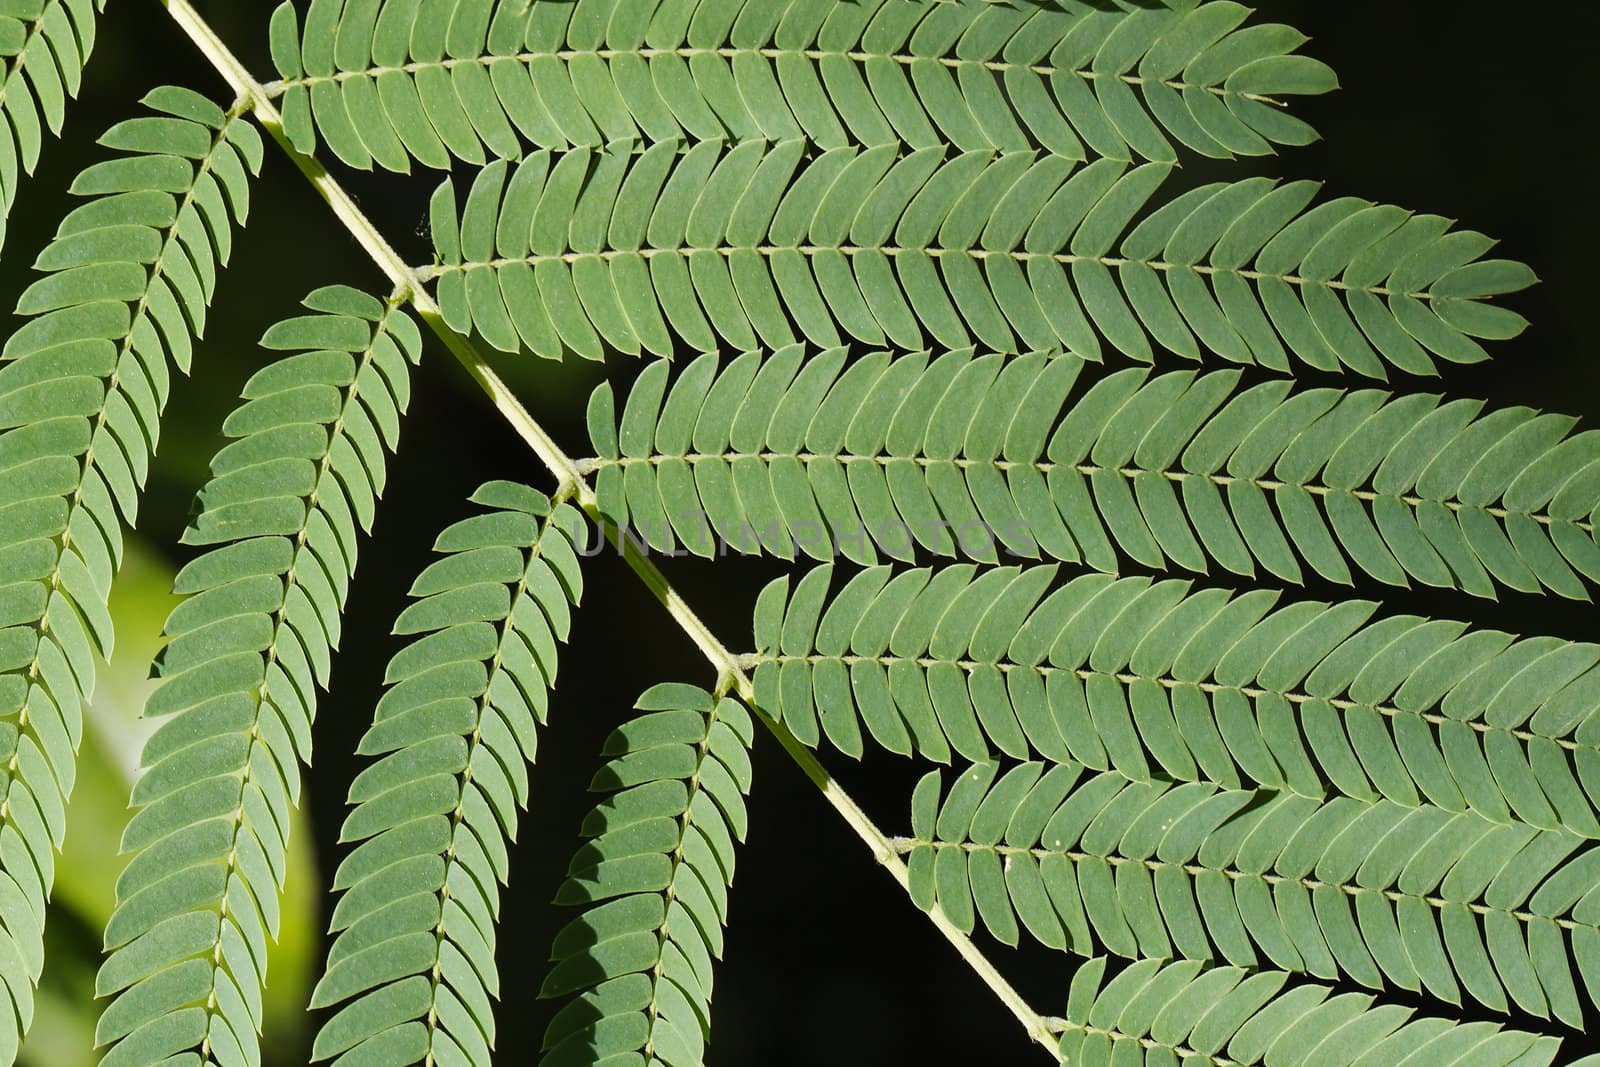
<point>82,385</point>
<point>412,967</point>
<point>1185,1012</point>
<point>1229,794</point>
<point>1158,682</point>
<point>248,649</point>
<point>988,457</point>
<point>44,45</point>
<point>594,249</point>
<point>654,878</point>
<point>390,83</point>
<point>1413,898</point>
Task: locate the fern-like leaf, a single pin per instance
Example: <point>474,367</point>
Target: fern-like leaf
<point>44,45</point>
<point>429,81</point>
<point>654,876</point>
<point>983,456</point>
<point>1371,891</point>
<point>82,385</point>
<point>1154,1011</point>
<point>413,963</point>
<point>1157,682</point>
<point>247,651</point>
<point>741,246</point>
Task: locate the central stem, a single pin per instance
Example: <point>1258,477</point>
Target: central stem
<point>567,473</point>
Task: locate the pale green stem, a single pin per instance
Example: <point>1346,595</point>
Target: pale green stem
<point>567,473</point>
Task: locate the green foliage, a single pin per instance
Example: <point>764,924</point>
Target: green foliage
<point>429,80</point>
<point>97,814</point>
<point>1372,891</point>
<point>979,456</point>
<point>1233,794</point>
<point>654,875</point>
<point>44,45</point>
<point>247,651</point>
<point>736,246</point>
<point>1160,682</point>
<point>413,964</point>
<point>82,385</point>
<point>1172,1011</point>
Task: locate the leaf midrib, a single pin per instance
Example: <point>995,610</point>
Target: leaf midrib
<point>934,252</point>
<point>458,816</point>
<point>124,346</point>
<point>1128,678</point>
<point>1045,467</point>
<point>904,845</point>
<point>769,52</point>
<point>676,861</point>
<point>270,656</point>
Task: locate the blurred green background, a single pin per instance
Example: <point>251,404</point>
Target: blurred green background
<point>1470,109</point>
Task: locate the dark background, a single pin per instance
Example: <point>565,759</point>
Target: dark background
<point>1471,109</point>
